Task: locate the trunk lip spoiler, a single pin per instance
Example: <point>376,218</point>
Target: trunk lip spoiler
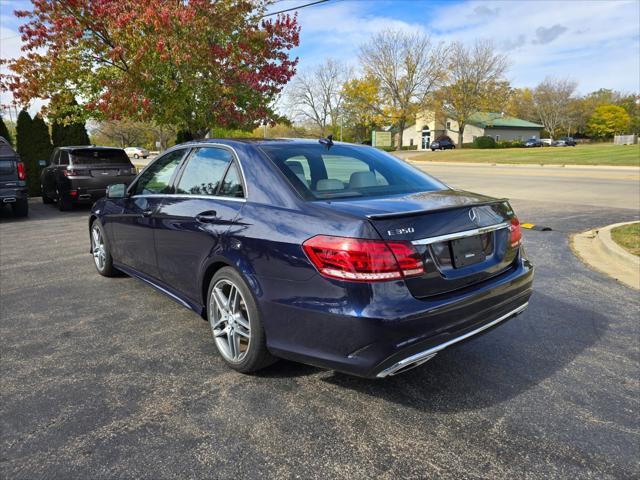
<point>463,234</point>
<point>384,216</point>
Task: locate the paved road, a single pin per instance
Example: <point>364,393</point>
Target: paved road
<point>105,378</point>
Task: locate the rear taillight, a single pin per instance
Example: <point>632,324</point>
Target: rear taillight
<point>516,232</point>
<point>363,260</point>
<point>22,173</point>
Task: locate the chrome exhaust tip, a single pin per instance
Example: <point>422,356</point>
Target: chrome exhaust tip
<point>9,200</point>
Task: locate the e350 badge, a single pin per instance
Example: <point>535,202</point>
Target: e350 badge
<point>401,231</point>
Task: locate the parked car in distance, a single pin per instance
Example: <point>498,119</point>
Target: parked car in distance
<point>82,174</point>
<point>533,142</point>
<point>332,254</point>
<point>137,152</point>
<point>442,145</point>
<point>546,141</point>
<point>13,180</point>
<point>564,142</point>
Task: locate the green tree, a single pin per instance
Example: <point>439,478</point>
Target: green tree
<point>24,135</point>
<point>40,149</point>
<point>4,132</point>
<point>67,126</point>
<point>361,98</point>
<point>607,121</point>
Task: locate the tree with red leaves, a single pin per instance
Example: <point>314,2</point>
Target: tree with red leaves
<point>190,63</point>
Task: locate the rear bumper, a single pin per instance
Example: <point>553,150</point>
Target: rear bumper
<point>404,332</point>
<point>90,189</point>
<point>13,194</point>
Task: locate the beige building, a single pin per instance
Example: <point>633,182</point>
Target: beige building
<point>429,126</point>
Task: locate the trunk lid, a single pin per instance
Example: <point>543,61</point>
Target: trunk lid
<point>463,238</point>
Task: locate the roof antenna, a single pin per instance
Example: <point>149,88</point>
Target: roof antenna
<point>327,141</point>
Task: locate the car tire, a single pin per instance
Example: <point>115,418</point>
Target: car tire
<point>243,349</point>
<point>136,156</point>
<point>20,208</point>
<point>100,251</point>
<point>46,200</point>
<point>64,203</point>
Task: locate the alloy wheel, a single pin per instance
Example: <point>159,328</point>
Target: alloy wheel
<point>97,248</point>
<point>229,321</point>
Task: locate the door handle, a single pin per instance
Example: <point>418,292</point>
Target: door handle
<point>207,217</point>
<point>147,213</point>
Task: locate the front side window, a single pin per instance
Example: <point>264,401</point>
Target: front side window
<point>347,171</point>
<point>204,171</point>
<point>157,178</point>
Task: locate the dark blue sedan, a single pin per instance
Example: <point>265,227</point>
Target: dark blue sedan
<point>335,255</point>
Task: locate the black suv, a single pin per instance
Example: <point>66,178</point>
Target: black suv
<point>82,174</point>
<point>13,176</point>
<point>441,145</point>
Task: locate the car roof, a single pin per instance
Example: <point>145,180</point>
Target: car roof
<point>88,147</point>
<point>260,141</point>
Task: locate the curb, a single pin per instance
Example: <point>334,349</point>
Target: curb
<point>596,249</point>
<point>603,235</point>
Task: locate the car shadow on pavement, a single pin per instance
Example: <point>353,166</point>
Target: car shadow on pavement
<point>498,366</point>
<point>38,211</point>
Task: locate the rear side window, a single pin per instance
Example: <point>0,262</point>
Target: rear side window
<point>232,184</point>
<point>204,173</point>
<point>6,167</point>
<point>98,156</point>
<point>157,178</point>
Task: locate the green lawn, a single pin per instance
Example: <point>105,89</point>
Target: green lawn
<point>628,237</point>
<point>598,154</point>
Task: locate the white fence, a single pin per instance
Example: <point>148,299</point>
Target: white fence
<point>625,140</point>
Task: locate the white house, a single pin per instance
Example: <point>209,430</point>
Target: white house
<point>428,127</point>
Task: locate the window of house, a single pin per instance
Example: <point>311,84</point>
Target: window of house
<point>448,125</point>
<point>411,142</point>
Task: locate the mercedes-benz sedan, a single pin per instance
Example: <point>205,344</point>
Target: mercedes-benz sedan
<point>335,255</point>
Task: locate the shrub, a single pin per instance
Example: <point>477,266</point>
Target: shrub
<point>510,144</point>
<point>469,145</point>
<point>484,142</point>
<point>4,132</point>
<point>409,147</point>
<point>387,149</point>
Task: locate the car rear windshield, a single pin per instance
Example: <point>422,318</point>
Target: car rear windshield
<point>97,156</point>
<point>344,171</point>
<point>6,167</point>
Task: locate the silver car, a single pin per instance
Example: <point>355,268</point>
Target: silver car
<point>136,152</point>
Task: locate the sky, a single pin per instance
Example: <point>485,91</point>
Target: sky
<point>594,42</point>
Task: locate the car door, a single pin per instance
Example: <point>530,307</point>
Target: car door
<point>209,194</point>
<point>48,175</point>
<point>132,231</point>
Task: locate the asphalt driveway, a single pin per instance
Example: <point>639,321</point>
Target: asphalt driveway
<point>105,378</point>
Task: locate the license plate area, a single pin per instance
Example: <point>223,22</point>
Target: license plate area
<point>467,251</point>
<point>104,173</point>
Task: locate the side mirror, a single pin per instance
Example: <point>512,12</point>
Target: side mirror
<point>117,190</point>
<point>43,163</point>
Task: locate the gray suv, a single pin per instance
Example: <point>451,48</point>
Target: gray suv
<point>13,180</point>
<point>82,174</point>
